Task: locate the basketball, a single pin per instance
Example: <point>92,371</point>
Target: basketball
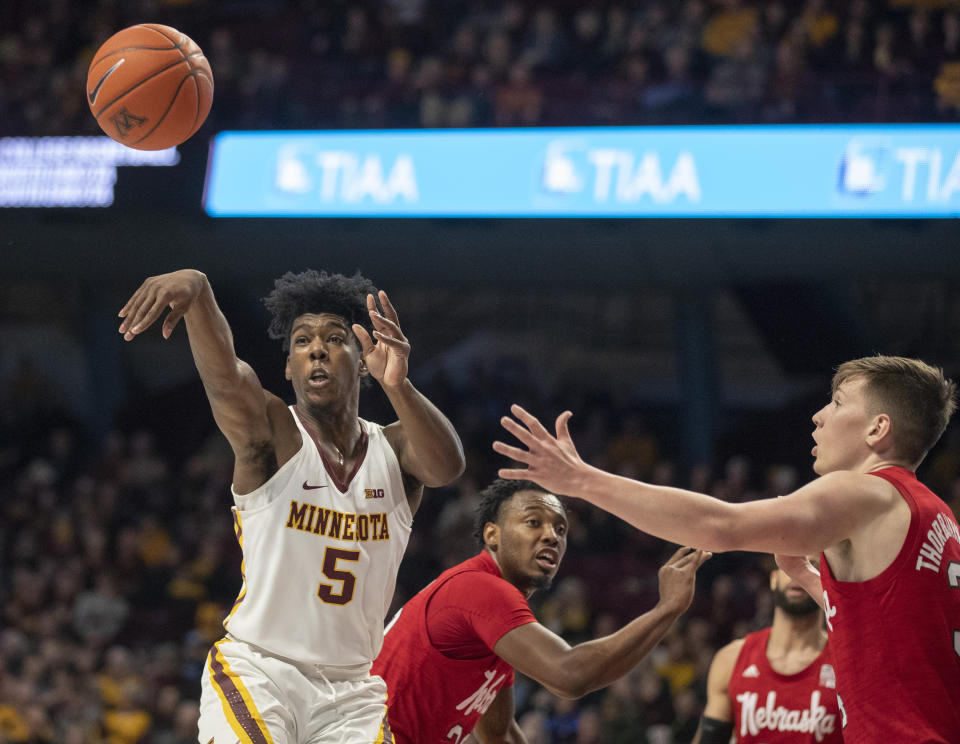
<point>149,87</point>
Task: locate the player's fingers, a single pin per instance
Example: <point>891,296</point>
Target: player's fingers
<point>129,310</point>
<point>514,473</point>
<point>366,343</point>
<point>681,552</point>
<point>144,317</point>
<point>518,431</point>
<point>705,555</point>
<point>388,309</point>
<point>385,324</point>
<point>130,303</point>
<point>563,431</point>
<point>531,421</point>
<point>514,453</point>
<point>684,561</point>
<point>391,341</point>
<point>170,322</point>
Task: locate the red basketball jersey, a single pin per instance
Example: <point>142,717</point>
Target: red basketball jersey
<point>895,638</point>
<point>435,699</point>
<point>774,708</point>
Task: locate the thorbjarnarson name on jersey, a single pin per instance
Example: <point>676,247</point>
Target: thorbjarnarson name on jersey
<point>338,525</point>
<point>931,552</point>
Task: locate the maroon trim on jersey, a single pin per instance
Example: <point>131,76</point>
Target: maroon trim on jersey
<point>342,485</point>
<point>386,735</point>
<point>234,697</point>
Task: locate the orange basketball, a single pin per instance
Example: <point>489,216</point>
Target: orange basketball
<point>149,87</point>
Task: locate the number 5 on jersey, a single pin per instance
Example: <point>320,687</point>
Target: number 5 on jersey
<point>330,570</point>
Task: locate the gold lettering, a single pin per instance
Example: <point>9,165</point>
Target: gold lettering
<point>309,526</point>
<point>384,529</point>
<point>363,527</point>
<point>374,526</point>
<point>297,514</point>
<point>348,521</point>
<point>323,516</point>
<point>336,522</point>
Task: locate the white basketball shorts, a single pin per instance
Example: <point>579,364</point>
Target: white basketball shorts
<point>251,697</point>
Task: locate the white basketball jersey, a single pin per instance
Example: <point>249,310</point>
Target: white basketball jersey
<point>320,557</point>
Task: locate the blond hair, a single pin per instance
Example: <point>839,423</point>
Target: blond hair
<point>916,396</point>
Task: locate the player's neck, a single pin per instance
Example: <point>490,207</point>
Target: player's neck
<point>877,461</point>
<point>795,633</point>
<point>337,426</point>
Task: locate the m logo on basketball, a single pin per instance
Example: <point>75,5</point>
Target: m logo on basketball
<point>124,121</point>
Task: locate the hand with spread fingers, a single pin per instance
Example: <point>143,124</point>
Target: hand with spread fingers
<point>677,578</point>
<point>552,461</point>
<point>387,358</point>
<point>177,291</point>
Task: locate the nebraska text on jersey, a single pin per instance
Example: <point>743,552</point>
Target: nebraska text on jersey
<point>772,717</point>
<point>485,694</point>
<point>339,525</point>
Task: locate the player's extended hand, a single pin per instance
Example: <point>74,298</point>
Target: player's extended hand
<point>677,578</point>
<point>176,290</point>
<point>552,461</point>
<point>801,570</point>
<point>386,359</point>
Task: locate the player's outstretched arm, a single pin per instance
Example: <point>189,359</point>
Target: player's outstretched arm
<point>822,513</point>
<point>498,725</point>
<point>716,724</point>
<point>425,441</point>
<point>572,672</point>
<point>233,389</point>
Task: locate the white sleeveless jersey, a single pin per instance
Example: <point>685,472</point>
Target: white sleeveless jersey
<point>320,557</point>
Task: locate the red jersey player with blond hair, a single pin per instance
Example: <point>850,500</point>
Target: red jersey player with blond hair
<point>890,549</point>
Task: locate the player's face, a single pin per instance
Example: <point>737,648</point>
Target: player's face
<point>531,539</point>
<point>842,428</point>
<point>790,597</point>
<point>324,362</point>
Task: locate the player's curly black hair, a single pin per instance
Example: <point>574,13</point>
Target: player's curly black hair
<point>313,291</point>
<point>493,497</point>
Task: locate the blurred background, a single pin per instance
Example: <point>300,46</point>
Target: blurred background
<point>692,352</point>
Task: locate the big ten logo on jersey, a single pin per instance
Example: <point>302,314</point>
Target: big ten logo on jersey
<point>373,493</point>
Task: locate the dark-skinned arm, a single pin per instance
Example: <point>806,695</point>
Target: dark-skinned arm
<point>237,398</point>
<point>498,724</point>
<point>425,441</point>
<point>716,724</point>
<point>573,671</point>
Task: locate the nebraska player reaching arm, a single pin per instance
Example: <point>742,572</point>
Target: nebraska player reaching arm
<point>573,671</point>
<point>842,505</point>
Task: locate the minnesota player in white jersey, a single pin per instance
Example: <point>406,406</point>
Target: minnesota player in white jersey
<point>324,503</point>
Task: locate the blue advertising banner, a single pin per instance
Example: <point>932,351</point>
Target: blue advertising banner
<point>730,171</point>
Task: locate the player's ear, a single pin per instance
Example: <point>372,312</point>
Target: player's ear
<point>286,370</point>
<point>363,368</point>
<point>880,427</point>
<point>773,580</point>
<point>491,535</point>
